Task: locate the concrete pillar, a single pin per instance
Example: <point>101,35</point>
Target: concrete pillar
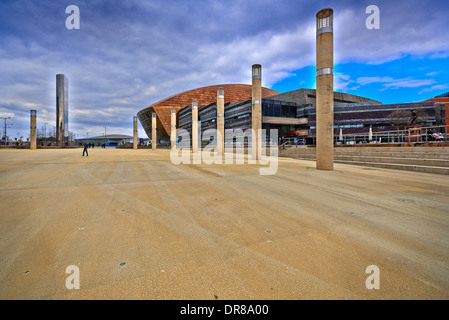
<point>194,126</point>
<point>256,110</point>
<point>324,90</point>
<point>153,131</point>
<point>220,121</point>
<point>62,107</point>
<point>173,129</point>
<point>33,130</point>
<point>135,132</point>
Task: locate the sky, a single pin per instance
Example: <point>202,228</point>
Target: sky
<point>127,55</point>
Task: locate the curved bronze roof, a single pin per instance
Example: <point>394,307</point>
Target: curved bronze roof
<point>204,95</point>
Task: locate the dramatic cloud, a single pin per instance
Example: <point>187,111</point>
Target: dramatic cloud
<point>343,82</point>
<point>406,28</point>
<point>388,82</point>
<point>130,54</point>
<point>438,87</point>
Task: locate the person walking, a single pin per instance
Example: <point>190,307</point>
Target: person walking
<point>85,150</point>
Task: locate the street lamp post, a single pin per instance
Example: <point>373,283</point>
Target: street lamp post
<point>45,132</point>
<point>104,135</point>
<point>5,118</point>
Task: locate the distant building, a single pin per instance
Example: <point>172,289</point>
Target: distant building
<point>109,140</point>
<point>286,112</point>
<point>358,118</point>
<point>294,113</point>
<point>444,95</point>
<point>444,100</point>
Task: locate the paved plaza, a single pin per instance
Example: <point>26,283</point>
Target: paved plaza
<point>140,227</point>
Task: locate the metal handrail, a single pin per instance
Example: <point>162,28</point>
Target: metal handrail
<point>413,134</point>
<point>395,131</point>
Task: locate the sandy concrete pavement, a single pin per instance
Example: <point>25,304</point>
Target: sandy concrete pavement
<point>139,227</point>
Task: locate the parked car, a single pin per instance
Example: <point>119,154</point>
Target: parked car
<point>436,136</point>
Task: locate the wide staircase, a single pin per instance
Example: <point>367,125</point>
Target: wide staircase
<point>413,158</point>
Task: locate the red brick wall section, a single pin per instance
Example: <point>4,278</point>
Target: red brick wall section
<point>445,101</point>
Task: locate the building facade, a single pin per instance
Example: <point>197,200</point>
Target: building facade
<point>444,100</point>
<point>110,140</point>
<point>294,114</point>
<point>204,95</point>
<point>288,113</point>
<point>360,117</point>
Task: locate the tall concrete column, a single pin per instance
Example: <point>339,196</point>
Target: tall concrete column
<point>256,110</point>
<point>173,129</point>
<point>33,129</point>
<point>135,132</point>
<point>220,121</point>
<point>324,90</point>
<point>194,126</point>
<point>153,131</point>
<point>62,109</point>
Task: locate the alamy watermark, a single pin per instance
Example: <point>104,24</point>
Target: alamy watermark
<point>373,280</point>
<point>72,21</point>
<point>72,281</point>
<point>373,20</point>
<point>267,153</point>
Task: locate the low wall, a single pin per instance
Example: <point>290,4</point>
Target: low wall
<point>39,147</point>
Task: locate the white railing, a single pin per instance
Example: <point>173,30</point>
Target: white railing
<point>408,135</point>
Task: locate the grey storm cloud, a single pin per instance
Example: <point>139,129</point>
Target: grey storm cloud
<point>129,54</point>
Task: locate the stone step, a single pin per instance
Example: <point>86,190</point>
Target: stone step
<point>397,154</point>
<point>298,151</point>
<point>395,160</point>
<point>423,159</point>
<point>396,166</point>
<point>394,149</point>
<point>303,156</point>
<point>433,150</point>
<point>399,160</point>
<point>410,167</point>
<point>426,155</point>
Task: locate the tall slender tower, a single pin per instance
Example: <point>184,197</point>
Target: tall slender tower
<point>135,132</point>
<point>153,131</point>
<point>220,121</point>
<point>194,126</point>
<point>173,129</point>
<point>62,109</point>
<point>33,129</point>
<point>256,110</point>
<point>324,90</point>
